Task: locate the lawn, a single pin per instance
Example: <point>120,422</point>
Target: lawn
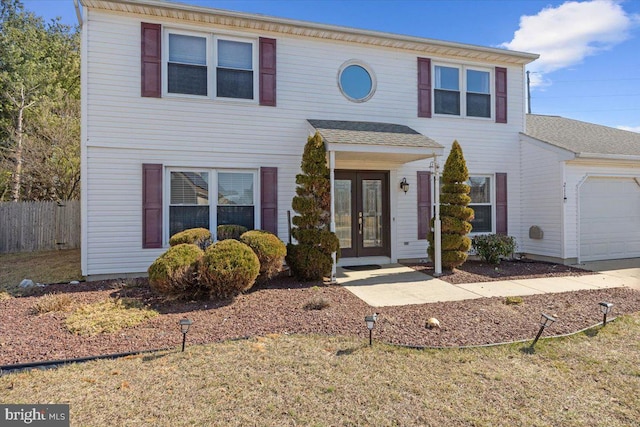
<point>590,379</point>
<point>41,267</point>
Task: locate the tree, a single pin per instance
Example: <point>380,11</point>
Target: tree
<point>39,91</point>
<point>454,211</point>
<point>311,258</point>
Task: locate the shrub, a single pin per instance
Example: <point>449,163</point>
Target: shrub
<point>230,231</point>
<point>52,302</point>
<point>513,300</point>
<point>311,259</point>
<point>454,212</point>
<point>107,316</point>
<point>269,249</point>
<point>174,273</point>
<point>228,268</point>
<point>493,247</point>
<point>308,263</point>
<point>317,302</point>
<point>196,236</point>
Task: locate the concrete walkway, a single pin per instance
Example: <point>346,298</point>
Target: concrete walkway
<point>396,284</point>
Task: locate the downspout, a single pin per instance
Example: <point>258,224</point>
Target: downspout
<point>437,234</point>
<point>332,226</point>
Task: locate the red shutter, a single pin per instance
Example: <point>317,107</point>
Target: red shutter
<point>269,199</point>
<point>267,72</point>
<point>151,206</point>
<point>501,203</point>
<point>424,203</point>
<point>151,60</point>
<point>424,87</point>
<point>501,95</point>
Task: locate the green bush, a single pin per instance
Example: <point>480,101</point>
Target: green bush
<point>269,249</point>
<point>195,236</point>
<point>174,273</point>
<point>228,268</point>
<point>230,231</point>
<point>493,247</point>
<point>308,263</point>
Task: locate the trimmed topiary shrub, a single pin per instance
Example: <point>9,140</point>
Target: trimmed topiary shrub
<point>311,258</point>
<point>454,211</point>
<point>230,231</point>
<point>174,273</point>
<point>195,236</point>
<point>228,268</point>
<point>269,249</point>
<point>493,247</point>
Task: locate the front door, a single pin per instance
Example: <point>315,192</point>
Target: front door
<point>362,213</point>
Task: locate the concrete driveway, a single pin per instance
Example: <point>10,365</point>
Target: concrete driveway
<point>626,269</point>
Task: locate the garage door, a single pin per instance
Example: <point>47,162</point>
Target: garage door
<point>609,218</point>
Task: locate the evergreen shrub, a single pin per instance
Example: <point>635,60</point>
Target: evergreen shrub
<point>228,268</point>
<point>269,249</point>
<point>174,273</point>
<point>493,247</point>
<point>230,231</point>
<point>196,236</point>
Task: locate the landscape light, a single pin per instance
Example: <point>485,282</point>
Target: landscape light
<point>605,307</point>
<point>545,321</point>
<point>371,323</point>
<point>184,328</point>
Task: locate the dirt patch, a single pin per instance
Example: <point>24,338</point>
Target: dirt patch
<point>283,306</point>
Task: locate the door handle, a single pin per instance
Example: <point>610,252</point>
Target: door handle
<point>359,222</point>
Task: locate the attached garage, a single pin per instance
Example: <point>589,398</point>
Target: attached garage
<point>582,188</point>
<point>609,218</point>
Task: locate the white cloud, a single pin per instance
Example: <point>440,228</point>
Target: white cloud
<point>565,35</point>
<point>630,128</point>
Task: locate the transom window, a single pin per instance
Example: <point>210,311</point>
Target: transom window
<point>356,81</point>
<point>450,82</point>
<point>192,206</point>
<point>189,69</point>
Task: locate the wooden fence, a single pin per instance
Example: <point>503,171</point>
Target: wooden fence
<point>39,226</point>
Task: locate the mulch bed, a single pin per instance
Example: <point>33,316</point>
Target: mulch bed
<point>278,307</point>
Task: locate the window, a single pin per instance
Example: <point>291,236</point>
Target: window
<point>481,204</point>
<point>204,65</point>
<point>187,65</point>
<point>356,81</point>
<point>235,199</point>
<point>192,206</point>
<point>189,201</point>
<point>234,72</point>
<point>450,82</point>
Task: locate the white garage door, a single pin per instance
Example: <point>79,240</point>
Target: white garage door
<point>609,218</point>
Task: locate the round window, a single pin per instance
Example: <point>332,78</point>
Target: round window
<point>356,82</point>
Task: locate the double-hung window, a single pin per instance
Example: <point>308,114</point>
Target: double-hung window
<point>234,69</point>
<point>208,198</point>
<point>462,91</point>
<point>481,203</point>
<point>187,65</point>
<point>211,66</point>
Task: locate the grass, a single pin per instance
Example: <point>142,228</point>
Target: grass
<point>52,302</point>
<point>41,267</point>
<point>590,379</point>
<point>107,316</point>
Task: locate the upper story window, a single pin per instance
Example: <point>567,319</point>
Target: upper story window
<point>450,82</point>
<point>356,81</point>
<point>187,65</point>
<point>234,71</point>
<point>190,70</point>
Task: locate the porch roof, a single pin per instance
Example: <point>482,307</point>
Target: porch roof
<point>394,143</point>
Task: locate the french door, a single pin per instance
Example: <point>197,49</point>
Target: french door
<point>362,213</point>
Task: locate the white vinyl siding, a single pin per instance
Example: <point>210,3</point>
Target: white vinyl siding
<point>125,130</point>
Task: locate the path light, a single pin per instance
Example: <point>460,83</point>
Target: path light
<point>184,328</point>
<point>371,323</point>
<point>404,185</point>
<point>545,321</point>
<point>605,307</point>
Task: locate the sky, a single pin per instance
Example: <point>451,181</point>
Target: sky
<point>589,65</point>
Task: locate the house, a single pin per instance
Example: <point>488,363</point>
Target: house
<point>196,117</point>
<point>582,198</point>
